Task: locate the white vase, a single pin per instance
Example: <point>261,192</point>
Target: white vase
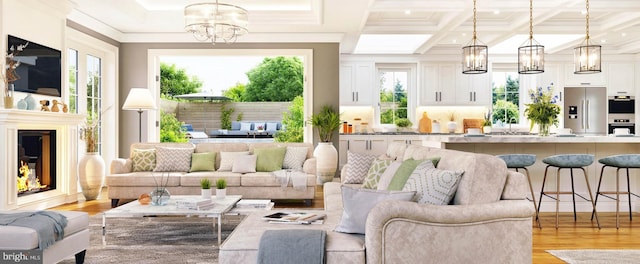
<point>91,171</point>
<point>326,162</point>
<point>205,194</point>
<point>451,126</point>
<point>486,129</point>
<point>221,194</point>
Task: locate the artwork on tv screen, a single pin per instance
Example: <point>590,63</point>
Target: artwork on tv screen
<point>39,70</point>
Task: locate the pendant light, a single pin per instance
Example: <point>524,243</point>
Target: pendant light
<point>587,57</point>
<point>530,53</point>
<point>474,54</point>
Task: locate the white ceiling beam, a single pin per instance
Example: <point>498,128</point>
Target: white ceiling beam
<point>447,24</point>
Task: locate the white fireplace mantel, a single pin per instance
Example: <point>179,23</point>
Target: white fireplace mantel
<point>66,126</point>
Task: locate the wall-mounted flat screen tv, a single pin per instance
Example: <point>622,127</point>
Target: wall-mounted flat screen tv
<point>39,70</point>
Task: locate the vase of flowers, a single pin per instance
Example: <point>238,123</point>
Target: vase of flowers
<point>543,109</point>
<point>9,75</point>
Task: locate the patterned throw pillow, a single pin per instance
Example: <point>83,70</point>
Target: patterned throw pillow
<point>378,166</point>
<point>404,172</point>
<point>294,158</point>
<point>143,159</point>
<point>433,186</point>
<point>226,159</point>
<point>173,159</point>
<point>359,164</point>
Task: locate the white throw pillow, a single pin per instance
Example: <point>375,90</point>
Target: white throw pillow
<point>433,186</point>
<point>357,204</point>
<point>272,126</point>
<point>244,126</point>
<point>244,164</point>
<point>226,159</point>
<point>294,158</point>
<point>387,175</point>
<point>359,164</point>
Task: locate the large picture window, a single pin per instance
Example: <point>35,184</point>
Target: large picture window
<point>505,98</point>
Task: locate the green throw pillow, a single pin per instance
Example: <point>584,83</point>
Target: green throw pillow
<point>269,159</point>
<point>205,161</point>
<point>143,159</point>
<point>378,167</point>
<point>405,170</point>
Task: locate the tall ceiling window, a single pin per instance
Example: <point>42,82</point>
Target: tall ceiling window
<point>394,93</point>
<point>506,98</point>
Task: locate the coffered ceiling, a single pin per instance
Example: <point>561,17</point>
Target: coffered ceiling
<point>441,24</point>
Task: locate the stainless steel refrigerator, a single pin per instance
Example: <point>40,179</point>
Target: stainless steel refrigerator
<point>585,110</point>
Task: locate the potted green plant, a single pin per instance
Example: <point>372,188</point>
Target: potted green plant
<point>452,125</point>
<point>221,188</point>
<point>206,188</point>
<point>403,124</point>
<point>327,122</point>
<point>486,124</point>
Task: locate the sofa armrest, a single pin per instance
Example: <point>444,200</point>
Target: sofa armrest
<point>309,166</point>
<point>119,166</point>
<point>516,187</point>
<point>393,228</point>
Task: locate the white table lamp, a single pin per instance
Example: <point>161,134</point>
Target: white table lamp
<point>139,99</point>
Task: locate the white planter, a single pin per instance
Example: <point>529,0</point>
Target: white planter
<point>91,171</point>
<point>451,126</point>
<point>221,194</point>
<point>486,129</point>
<point>205,193</point>
<point>326,161</point>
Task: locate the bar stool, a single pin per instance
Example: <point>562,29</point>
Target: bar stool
<point>625,161</point>
<point>568,161</point>
<point>522,161</point>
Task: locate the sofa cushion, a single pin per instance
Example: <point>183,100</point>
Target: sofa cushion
<point>143,178</point>
<point>359,164</point>
<point>268,179</point>
<point>269,159</point>
<point>226,159</point>
<point>173,159</point>
<point>192,179</point>
<point>203,161</point>
<point>143,159</point>
<point>294,157</point>
<point>235,125</point>
<point>433,186</point>
<point>357,204</point>
<point>378,166</point>
<point>22,238</point>
<point>244,164</point>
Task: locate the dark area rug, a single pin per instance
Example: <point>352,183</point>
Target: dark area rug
<point>156,240</point>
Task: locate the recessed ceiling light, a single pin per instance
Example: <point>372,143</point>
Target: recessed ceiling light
<point>464,34</point>
<point>407,12</point>
<point>496,12</point>
<point>603,41</point>
<point>454,41</point>
<point>584,12</point>
<point>390,43</point>
<point>624,34</point>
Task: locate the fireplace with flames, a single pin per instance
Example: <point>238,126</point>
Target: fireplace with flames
<point>37,161</point>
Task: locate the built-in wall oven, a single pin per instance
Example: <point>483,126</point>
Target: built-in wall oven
<point>622,113</point>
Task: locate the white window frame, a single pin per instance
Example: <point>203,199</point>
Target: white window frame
<point>412,90</point>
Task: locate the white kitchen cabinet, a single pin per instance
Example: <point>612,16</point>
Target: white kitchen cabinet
<point>590,79</point>
<point>472,89</point>
<point>406,139</point>
<point>621,79</point>
<point>370,144</point>
<point>438,82</point>
<point>357,83</point>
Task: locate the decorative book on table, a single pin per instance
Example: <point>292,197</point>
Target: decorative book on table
<point>295,218</point>
<point>193,203</point>
<point>253,203</point>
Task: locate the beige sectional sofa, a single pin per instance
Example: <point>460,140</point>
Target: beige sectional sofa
<point>125,184</point>
<point>489,220</point>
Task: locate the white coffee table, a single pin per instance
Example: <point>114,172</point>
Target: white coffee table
<point>135,209</point>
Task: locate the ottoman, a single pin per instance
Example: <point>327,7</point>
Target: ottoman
<point>242,244</point>
<point>75,242</point>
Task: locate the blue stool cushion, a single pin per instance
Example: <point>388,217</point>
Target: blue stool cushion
<point>622,161</point>
<point>569,160</point>
<point>518,160</point>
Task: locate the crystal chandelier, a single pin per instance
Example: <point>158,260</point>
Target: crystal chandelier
<point>474,54</point>
<point>216,21</point>
<point>587,57</point>
<point>530,53</point>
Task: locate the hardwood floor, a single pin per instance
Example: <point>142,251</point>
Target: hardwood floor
<point>582,234</point>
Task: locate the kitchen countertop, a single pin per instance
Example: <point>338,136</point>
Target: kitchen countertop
<point>506,138</point>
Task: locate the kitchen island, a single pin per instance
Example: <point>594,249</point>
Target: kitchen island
<point>600,146</point>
